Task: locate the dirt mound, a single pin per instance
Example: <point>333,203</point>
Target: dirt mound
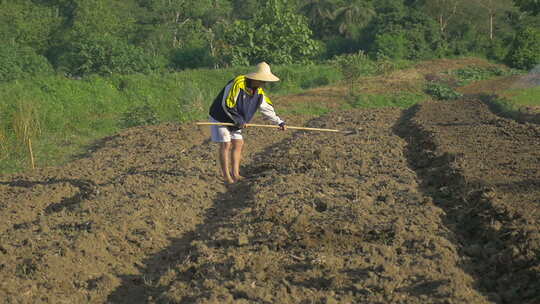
<point>69,234</point>
<point>485,173</point>
<point>325,219</point>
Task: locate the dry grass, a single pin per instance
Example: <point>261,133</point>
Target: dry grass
<point>3,144</point>
<point>26,125</point>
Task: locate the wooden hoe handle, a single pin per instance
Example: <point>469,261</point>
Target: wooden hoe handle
<point>265,126</point>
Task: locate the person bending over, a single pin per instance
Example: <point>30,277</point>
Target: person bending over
<point>237,103</point>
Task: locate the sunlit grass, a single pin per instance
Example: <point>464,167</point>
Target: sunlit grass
<point>525,96</point>
<point>401,100</point>
<point>306,109</point>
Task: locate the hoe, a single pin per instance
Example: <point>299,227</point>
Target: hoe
<point>274,126</point>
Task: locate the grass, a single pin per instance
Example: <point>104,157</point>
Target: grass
<point>306,109</point>
<point>401,100</point>
<point>62,116</point>
<point>518,104</point>
<point>524,97</point>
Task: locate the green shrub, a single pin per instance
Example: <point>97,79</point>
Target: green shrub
<point>391,45</point>
<point>106,55</point>
<point>275,33</point>
<point>17,62</point>
<point>442,92</point>
<point>474,73</point>
<point>525,50</point>
<point>353,66</point>
<point>191,58</point>
<point>401,33</point>
<point>138,116</point>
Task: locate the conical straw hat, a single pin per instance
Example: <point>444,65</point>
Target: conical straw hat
<point>262,73</point>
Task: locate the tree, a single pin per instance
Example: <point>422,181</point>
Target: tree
<point>18,62</point>
<point>180,29</point>
<point>275,34</point>
<point>320,15</point>
<point>25,23</point>
<point>97,41</point>
<point>353,14</point>
<point>525,50</point>
<point>530,6</point>
<point>494,8</point>
<point>443,11</point>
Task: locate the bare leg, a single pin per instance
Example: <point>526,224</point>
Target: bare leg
<point>224,160</point>
<point>237,145</point>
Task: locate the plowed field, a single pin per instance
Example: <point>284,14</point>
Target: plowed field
<point>439,203</point>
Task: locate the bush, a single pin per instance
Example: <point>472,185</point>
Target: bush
<point>18,62</point>
<point>400,33</point>
<point>442,92</point>
<point>469,74</point>
<point>191,58</point>
<point>353,66</point>
<point>105,55</point>
<point>391,45</point>
<point>138,116</point>
<point>275,34</point>
<point>525,50</point>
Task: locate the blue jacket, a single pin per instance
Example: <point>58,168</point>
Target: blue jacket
<point>236,103</point>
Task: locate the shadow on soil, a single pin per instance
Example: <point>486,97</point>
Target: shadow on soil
<point>141,288</point>
<point>93,147</point>
<point>489,251</point>
<point>87,189</point>
<point>138,288</point>
<point>497,106</point>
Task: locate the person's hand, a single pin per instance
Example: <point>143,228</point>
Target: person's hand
<point>282,126</point>
<point>241,126</point>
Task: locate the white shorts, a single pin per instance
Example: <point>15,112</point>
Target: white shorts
<point>223,134</point>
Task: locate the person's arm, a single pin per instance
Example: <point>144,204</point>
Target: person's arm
<point>268,112</point>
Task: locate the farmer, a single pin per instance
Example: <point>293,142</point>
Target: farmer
<point>237,103</point>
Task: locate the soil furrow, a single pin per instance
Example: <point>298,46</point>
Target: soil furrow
<point>483,171</point>
<point>326,219</point>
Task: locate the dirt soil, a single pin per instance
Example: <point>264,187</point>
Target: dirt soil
<point>438,203</point>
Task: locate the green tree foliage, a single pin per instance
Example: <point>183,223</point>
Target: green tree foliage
<point>105,55</point>
<point>320,15</point>
<point>98,41</point>
<point>27,23</point>
<point>531,6</point>
<point>275,34</point>
<point>444,12</point>
<point>525,49</point>
<point>124,36</point>
<point>20,62</point>
<point>402,33</point>
<point>353,15</point>
<point>181,29</point>
<point>393,45</point>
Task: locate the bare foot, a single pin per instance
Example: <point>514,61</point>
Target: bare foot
<point>229,181</point>
<point>238,178</point>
